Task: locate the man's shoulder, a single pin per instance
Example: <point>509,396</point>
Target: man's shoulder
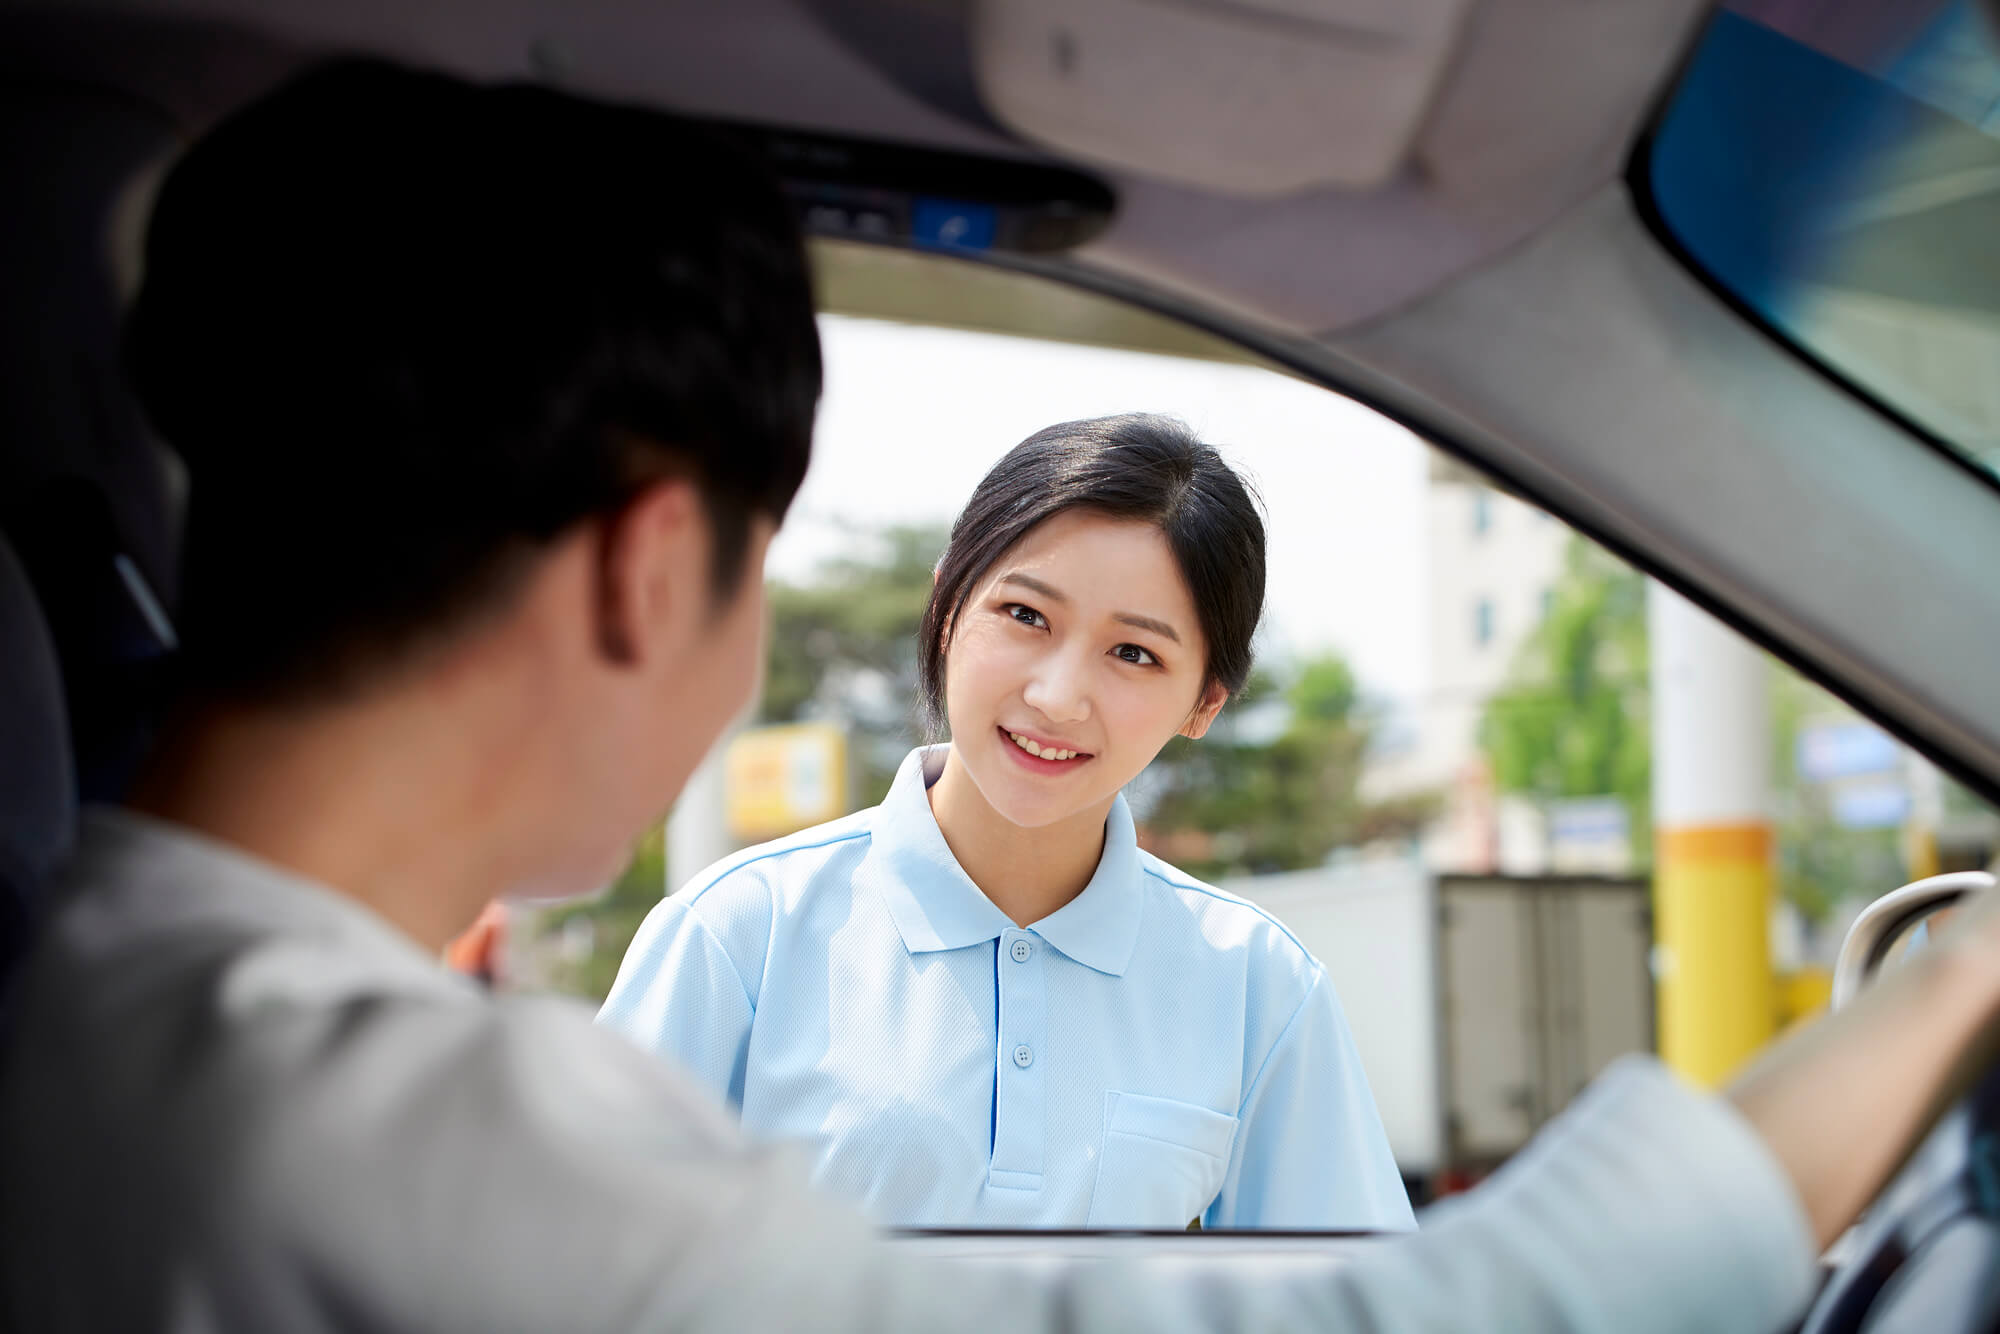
<point>245,1126</point>
<point>237,1058</point>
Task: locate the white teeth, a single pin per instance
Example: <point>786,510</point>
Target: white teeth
<point>1035,748</point>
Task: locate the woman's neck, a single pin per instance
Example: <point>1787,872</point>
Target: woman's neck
<point>1028,873</point>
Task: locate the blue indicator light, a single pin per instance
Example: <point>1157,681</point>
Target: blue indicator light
<point>947,222</point>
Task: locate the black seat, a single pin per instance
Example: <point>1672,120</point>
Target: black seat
<point>38,799</point>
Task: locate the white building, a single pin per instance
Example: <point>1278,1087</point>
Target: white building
<point>1493,566</point>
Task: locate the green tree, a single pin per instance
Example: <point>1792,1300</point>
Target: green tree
<point>1276,804</point>
<point>1573,719</point>
<point>844,648</point>
<point>577,948</point>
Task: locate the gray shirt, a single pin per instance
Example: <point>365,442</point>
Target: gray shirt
<point>231,1099</point>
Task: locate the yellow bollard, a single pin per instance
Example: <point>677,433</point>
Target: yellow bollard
<point>1718,1001</point>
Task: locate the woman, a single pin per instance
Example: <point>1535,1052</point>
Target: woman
<point>980,1002</point>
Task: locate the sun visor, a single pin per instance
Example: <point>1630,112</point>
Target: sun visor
<point>1243,97</point>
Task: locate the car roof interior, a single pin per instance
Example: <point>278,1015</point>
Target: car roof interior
<point>1429,206</point>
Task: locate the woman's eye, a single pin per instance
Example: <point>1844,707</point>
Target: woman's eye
<point>1135,655</point>
<point>1027,616</point>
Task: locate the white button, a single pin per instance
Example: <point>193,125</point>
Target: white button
<point>1022,949</point>
<point>1023,1057</point>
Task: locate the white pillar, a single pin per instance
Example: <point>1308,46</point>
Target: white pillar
<point>1711,718</point>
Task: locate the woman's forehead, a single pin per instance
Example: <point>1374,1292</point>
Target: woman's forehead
<point>1102,563</point>
<point>1074,538</point>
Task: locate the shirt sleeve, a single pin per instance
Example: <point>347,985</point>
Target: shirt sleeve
<point>1646,1208</point>
<point>541,1181</point>
<point>679,995</point>
<point>1310,1151</point>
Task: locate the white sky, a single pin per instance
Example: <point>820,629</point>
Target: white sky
<point>913,417</point>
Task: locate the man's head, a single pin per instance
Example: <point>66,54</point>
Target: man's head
<point>425,345</point>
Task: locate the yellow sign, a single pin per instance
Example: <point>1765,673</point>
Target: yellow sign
<point>785,778</point>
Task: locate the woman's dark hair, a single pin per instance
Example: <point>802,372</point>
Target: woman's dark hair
<point>405,330</point>
<point>1140,467</point>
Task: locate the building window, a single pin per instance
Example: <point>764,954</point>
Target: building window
<point>1482,512</point>
<point>1482,622</point>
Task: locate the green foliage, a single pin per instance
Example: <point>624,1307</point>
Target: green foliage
<point>582,944</point>
<point>1574,719</point>
<point>1325,693</point>
<point>853,626</point>
<point>1279,804</point>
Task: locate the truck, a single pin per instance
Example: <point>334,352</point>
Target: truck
<point>1481,1004</point>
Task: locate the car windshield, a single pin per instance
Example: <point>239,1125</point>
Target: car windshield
<point>1439,779</point>
<point>1836,168</point>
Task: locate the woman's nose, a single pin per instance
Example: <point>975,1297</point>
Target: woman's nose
<point>1059,691</point>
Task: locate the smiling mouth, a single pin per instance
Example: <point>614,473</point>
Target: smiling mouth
<point>1049,755</point>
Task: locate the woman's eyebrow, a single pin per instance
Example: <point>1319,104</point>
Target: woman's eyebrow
<point>1146,623</point>
<point>1035,585</point>
<point>1130,618</point>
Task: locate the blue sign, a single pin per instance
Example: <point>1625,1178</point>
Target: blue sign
<point>1842,750</point>
<point>1587,818</point>
<point>1876,805</point>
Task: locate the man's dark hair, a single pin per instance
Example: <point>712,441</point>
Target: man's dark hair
<point>1140,467</point>
<point>405,330</point>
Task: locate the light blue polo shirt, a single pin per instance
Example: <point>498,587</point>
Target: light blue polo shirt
<point>1153,1052</point>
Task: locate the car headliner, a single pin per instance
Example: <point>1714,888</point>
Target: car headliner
<point>1501,293</point>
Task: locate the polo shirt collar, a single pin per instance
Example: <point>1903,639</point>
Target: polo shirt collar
<point>936,906</point>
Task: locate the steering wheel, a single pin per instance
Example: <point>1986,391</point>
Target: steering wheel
<point>1926,1259</point>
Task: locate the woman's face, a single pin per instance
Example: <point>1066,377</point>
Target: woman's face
<point>1081,644</point>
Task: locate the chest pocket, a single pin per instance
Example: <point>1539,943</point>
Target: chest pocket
<point>1161,1162</point>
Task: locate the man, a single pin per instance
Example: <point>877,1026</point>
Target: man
<point>491,400</point>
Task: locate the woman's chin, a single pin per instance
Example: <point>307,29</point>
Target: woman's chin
<point>1018,803</point>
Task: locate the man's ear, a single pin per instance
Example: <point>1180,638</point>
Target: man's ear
<point>1213,697</point>
<point>652,569</point>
